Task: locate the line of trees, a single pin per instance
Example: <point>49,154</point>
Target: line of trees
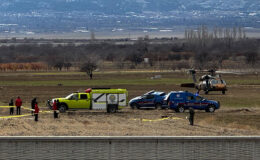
<point>22,66</point>
<point>202,32</point>
<point>202,48</point>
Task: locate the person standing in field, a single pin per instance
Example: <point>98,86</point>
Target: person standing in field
<point>192,113</point>
<point>36,111</point>
<point>33,104</point>
<point>18,104</point>
<point>58,104</point>
<point>11,104</point>
<point>197,93</point>
<point>55,108</point>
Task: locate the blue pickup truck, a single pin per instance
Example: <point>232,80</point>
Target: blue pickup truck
<point>181,100</point>
<point>150,99</point>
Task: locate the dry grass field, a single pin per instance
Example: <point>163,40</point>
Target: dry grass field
<point>239,113</point>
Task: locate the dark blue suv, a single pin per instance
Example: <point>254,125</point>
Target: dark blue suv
<point>181,100</point>
<point>150,99</point>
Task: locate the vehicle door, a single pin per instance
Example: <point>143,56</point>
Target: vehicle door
<point>149,101</point>
<point>203,104</point>
<point>73,101</point>
<point>197,104</point>
<point>84,101</point>
<point>166,101</point>
<point>190,101</point>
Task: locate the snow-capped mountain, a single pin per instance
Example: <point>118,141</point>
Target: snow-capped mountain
<point>68,15</point>
<point>123,6</point>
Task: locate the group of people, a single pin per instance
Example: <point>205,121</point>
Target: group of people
<point>18,104</point>
<point>34,107</point>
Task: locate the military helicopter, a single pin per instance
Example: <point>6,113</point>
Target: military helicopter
<point>207,82</point>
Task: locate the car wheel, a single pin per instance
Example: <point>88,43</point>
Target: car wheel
<point>181,109</point>
<point>163,107</point>
<point>62,108</point>
<point>134,106</point>
<point>211,108</point>
<point>158,105</point>
<point>223,92</point>
<point>112,109</point>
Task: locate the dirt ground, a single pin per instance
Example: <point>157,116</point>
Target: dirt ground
<point>239,113</point>
<point>130,122</point>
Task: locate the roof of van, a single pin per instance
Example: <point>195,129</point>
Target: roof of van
<point>158,93</point>
<point>178,92</point>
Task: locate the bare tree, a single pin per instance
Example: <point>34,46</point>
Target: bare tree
<point>234,32</point>
<point>244,34</point>
<point>251,58</point>
<point>135,58</point>
<point>240,32</point>
<point>215,32</point>
<point>92,36</point>
<point>59,65</point>
<point>120,63</point>
<point>220,32</point>
<point>186,34</point>
<point>89,66</point>
<point>67,66</point>
<point>201,59</point>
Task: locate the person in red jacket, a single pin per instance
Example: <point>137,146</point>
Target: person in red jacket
<point>55,108</point>
<point>36,111</point>
<point>18,104</point>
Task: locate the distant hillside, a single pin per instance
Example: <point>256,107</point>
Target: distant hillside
<point>19,16</point>
<point>124,6</point>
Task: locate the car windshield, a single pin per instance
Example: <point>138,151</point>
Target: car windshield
<point>150,92</point>
<point>198,98</point>
<point>167,96</point>
<point>162,94</point>
<point>148,96</point>
<point>68,97</point>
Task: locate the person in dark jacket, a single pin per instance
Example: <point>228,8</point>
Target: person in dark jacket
<point>55,108</point>
<point>207,82</point>
<point>192,113</point>
<point>18,104</point>
<point>33,105</point>
<point>58,104</point>
<point>11,103</point>
<point>36,111</point>
<point>197,93</point>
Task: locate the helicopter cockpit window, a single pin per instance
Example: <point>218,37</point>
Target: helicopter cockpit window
<point>214,82</point>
